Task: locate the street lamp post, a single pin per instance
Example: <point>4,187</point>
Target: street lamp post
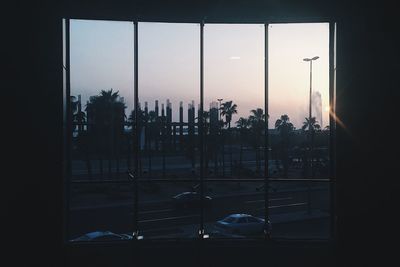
<point>310,134</point>
<point>309,111</point>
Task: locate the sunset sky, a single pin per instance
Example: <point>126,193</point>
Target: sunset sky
<point>169,64</point>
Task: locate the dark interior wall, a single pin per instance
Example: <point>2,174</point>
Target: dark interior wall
<point>367,150</point>
<point>366,96</point>
<point>210,10</point>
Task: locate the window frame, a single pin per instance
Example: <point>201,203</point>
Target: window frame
<point>134,177</point>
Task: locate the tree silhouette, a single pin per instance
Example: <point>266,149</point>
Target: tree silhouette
<point>310,126</point>
<point>106,118</point>
<point>78,118</point>
<point>227,110</point>
<point>285,128</point>
<point>243,125</point>
<point>257,123</point>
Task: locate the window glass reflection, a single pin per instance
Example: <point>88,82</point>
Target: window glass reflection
<point>234,94</point>
<point>169,94</point>
<point>298,135</point>
<point>101,56</point>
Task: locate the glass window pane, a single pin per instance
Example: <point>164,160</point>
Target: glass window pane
<point>102,112</point>
<point>231,207</point>
<point>234,100</point>
<point>101,54</point>
<point>100,207</point>
<point>300,210</point>
<point>299,140</point>
<point>169,95</point>
<point>166,211</point>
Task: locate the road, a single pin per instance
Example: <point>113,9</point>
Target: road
<point>159,218</point>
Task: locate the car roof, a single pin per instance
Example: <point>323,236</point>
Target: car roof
<point>94,234</point>
<point>186,193</point>
<point>99,233</point>
<point>239,215</point>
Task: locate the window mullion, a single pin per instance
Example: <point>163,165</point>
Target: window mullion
<point>266,136</point>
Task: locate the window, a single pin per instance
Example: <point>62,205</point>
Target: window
<point>173,127</point>
<point>101,146</point>
<point>229,219</point>
<point>252,220</point>
<point>242,220</point>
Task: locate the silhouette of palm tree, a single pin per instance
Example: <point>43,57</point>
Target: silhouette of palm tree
<point>106,115</point>
<point>257,120</point>
<point>78,118</point>
<point>243,125</point>
<point>310,126</point>
<point>227,110</point>
<point>285,128</point>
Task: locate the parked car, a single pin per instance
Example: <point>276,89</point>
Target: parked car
<point>189,200</point>
<point>102,236</point>
<point>242,224</point>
